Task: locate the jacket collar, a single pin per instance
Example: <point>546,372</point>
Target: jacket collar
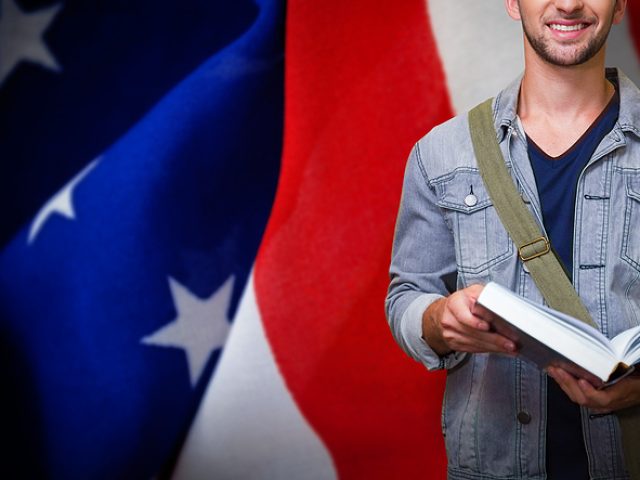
<point>629,117</point>
<point>506,103</point>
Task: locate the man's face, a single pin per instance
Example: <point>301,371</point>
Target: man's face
<point>567,32</point>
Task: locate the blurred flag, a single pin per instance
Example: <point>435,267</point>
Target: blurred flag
<point>159,125</point>
<point>309,385</point>
<point>117,289</point>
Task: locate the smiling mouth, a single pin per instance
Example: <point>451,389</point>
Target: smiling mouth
<point>568,28</point>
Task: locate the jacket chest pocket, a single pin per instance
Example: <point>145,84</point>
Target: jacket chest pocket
<point>631,233</point>
<point>480,239</point>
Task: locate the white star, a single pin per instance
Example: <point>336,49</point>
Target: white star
<point>200,328</point>
<point>21,37</point>
<point>61,203</point>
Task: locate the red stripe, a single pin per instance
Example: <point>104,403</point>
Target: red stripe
<point>633,17</point>
<point>363,83</point>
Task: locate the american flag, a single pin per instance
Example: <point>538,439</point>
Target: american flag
<point>198,201</point>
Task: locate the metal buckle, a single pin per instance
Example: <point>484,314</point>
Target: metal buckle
<point>537,252</point>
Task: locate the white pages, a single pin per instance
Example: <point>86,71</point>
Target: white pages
<point>574,340</point>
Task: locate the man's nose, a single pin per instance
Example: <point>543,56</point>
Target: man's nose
<point>569,6</point>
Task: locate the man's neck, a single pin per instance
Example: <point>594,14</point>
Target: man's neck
<point>558,104</point>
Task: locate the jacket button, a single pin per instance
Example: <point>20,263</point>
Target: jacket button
<point>471,200</point>
<point>524,418</point>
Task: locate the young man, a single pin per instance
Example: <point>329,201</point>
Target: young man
<point>569,131</point>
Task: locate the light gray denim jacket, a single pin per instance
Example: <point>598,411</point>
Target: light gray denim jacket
<point>494,408</point>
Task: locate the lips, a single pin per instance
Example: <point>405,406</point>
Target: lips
<point>568,28</point>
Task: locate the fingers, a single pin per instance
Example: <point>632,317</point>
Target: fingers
<point>457,323</point>
<point>481,312</point>
<point>461,308</point>
<point>464,330</point>
<point>478,342</point>
<point>584,393</point>
<point>569,385</point>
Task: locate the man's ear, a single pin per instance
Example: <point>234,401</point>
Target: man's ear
<point>513,9</point>
<point>618,12</point>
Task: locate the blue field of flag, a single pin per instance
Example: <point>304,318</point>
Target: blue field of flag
<point>140,145</point>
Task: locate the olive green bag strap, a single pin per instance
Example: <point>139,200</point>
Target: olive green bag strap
<point>535,251</point>
<point>533,247</point>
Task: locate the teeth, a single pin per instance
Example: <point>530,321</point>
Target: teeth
<point>567,28</point>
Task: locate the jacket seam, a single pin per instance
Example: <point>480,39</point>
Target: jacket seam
<point>421,166</point>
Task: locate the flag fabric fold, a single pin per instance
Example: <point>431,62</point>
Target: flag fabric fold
<point>116,299</point>
<point>199,223</point>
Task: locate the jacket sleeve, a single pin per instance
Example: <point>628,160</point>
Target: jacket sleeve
<point>423,258</point>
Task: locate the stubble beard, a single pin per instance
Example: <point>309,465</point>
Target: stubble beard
<point>545,51</point>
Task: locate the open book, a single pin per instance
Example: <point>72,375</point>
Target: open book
<point>550,338</point>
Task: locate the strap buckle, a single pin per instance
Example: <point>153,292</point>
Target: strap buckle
<point>537,248</point>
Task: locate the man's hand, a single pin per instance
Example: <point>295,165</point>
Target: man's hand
<point>625,393</point>
<point>457,323</point>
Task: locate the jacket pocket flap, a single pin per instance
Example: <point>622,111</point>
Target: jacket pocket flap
<point>463,191</point>
<point>633,187</point>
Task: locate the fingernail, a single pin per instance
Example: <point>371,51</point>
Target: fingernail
<point>510,347</point>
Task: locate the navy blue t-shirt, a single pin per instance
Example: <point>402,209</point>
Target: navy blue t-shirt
<point>557,179</point>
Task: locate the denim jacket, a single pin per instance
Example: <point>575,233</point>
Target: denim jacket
<point>494,407</point>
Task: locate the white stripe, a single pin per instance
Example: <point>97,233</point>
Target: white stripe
<point>249,426</point>
<point>621,51</point>
<point>480,47</point>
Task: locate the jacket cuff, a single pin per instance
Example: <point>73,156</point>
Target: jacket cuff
<point>411,330</point>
